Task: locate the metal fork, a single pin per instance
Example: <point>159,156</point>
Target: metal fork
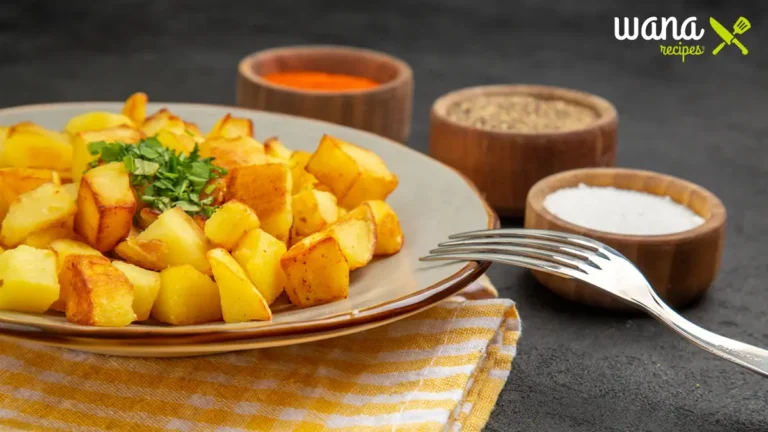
<point>599,265</point>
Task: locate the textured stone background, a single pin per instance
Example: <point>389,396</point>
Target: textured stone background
<point>704,120</point>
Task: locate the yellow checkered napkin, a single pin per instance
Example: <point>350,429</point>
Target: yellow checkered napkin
<point>441,369</point>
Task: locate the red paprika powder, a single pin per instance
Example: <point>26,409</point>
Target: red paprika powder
<point>321,81</point>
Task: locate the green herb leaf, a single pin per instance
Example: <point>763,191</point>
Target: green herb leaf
<point>145,168</point>
<point>163,178</point>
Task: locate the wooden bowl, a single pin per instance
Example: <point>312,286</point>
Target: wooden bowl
<point>384,110</point>
<point>679,266</point>
<point>505,164</point>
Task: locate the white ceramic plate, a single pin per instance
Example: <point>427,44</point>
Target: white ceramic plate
<point>432,201</point>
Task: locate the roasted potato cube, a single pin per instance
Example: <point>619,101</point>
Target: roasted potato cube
<point>148,254</point>
<point>232,127</point>
<point>16,181</point>
<point>228,224</point>
<point>146,286</point>
<point>163,120</point>
<point>266,189</point>
<point>30,146</point>
<point>29,282</point>
<point>389,234</point>
<point>64,248</point>
<point>313,210</point>
<point>72,189</point>
<point>81,156</point>
<point>258,253</point>
<point>185,240</point>
<point>240,300</point>
<point>352,173</point>
<point>96,121</point>
<point>186,297</point>
<point>42,239</point>
<point>96,292</point>
<point>302,180</point>
<point>178,143</point>
<point>317,271</point>
<point>146,217</point>
<point>356,233</point>
<point>273,147</point>
<point>194,131</point>
<point>233,152</point>
<point>48,205</point>
<point>135,107</point>
<point>105,206</point>
<point>4,132</point>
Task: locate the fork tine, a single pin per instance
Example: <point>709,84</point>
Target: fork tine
<point>548,245</point>
<point>521,261</point>
<point>553,257</point>
<point>569,239</point>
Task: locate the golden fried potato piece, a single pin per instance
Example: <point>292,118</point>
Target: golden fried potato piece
<point>356,234</point>
<point>233,152</point>
<point>179,143</point>
<point>96,292</point>
<point>146,216</point>
<point>258,253</point>
<point>81,156</point>
<point>72,189</point>
<point>29,282</point>
<point>352,173</point>
<point>48,205</point>
<point>163,120</point>
<point>232,127</point>
<point>184,238</point>
<point>98,120</point>
<point>135,107</point>
<point>146,286</point>
<point>64,248</point>
<point>302,180</point>
<point>240,300</point>
<point>31,146</point>
<point>313,210</point>
<point>389,234</point>
<point>273,147</point>
<point>105,206</point>
<point>186,297</point>
<point>43,238</point>
<point>317,271</point>
<point>229,223</point>
<point>266,189</point>
<point>147,254</point>
<point>16,181</point>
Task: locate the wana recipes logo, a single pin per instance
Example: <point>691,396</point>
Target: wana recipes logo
<point>665,28</point>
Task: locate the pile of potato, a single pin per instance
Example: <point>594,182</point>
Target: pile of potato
<point>80,241</point>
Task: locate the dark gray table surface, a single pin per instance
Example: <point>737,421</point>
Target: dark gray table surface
<point>705,120</point>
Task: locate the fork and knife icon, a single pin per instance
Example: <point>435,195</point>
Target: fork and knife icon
<point>741,26</point>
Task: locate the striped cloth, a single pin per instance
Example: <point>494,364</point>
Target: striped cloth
<point>442,369</point>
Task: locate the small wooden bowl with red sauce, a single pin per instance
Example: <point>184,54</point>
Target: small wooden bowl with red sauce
<point>376,95</point>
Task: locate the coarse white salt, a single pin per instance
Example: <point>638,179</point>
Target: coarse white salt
<point>621,211</point>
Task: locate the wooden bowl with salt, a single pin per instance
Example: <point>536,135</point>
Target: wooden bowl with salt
<point>505,138</point>
<point>680,264</point>
<point>384,109</point>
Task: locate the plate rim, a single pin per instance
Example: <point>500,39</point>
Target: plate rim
<point>417,300</point>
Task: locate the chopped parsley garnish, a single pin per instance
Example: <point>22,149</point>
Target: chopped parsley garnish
<point>164,179</point>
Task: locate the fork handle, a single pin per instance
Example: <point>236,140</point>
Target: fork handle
<point>745,355</point>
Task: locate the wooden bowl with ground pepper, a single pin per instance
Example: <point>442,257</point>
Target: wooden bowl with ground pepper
<point>671,229</point>
<point>354,87</point>
<point>505,138</point>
